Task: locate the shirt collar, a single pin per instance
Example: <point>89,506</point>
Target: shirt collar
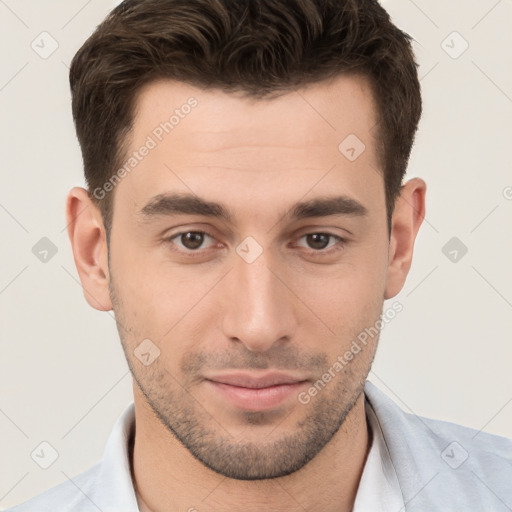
<point>379,488</point>
<point>114,489</point>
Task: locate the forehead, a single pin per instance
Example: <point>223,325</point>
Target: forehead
<point>329,107</point>
<point>208,142</point>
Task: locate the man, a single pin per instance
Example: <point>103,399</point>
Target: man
<point>246,218</point>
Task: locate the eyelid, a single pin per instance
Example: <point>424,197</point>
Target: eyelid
<point>313,228</point>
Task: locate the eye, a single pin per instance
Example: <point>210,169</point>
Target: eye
<point>320,241</point>
<point>190,240</point>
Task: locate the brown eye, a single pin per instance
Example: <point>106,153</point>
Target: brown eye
<point>318,241</point>
<point>190,240</point>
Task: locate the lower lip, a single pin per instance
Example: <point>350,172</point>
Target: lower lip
<point>256,399</point>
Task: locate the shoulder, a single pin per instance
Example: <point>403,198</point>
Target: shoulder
<point>470,451</point>
<point>442,462</point>
<point>70,495</point>
<point>474,439</point>
<point>470,462</point>
<point>433,433</point>
<point>107,485</point>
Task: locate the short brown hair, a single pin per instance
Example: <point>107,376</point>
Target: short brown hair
<point>256,47</point>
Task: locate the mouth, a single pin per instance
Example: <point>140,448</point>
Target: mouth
<point>252,392</point>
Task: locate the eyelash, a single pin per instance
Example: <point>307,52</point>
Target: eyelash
<point>340,245</point>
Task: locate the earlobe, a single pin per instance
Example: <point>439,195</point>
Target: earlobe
<point>88,240</point>
<point>407,218</point>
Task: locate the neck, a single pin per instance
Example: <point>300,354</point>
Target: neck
<point>168,478</point>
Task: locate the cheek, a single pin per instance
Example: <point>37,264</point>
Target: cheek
<point>347,298</point>
<point>353,306</point>
<point>160,300</point>
<point>144,295</point>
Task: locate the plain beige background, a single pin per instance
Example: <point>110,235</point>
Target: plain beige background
<point>447,355</point>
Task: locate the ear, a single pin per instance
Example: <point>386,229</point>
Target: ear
<point>406,221</point>
<point>89,243</point>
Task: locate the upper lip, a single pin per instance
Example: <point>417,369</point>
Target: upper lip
<point>246,380</point>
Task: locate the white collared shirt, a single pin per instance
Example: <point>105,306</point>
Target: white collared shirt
<point>378,489</point>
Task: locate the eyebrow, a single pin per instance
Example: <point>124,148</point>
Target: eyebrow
<point>189,204</point>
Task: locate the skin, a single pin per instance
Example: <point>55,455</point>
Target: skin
<point>296,308</point>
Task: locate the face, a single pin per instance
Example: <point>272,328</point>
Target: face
<point>270,259</point>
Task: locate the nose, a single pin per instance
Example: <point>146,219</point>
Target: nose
<point>259,308</point>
